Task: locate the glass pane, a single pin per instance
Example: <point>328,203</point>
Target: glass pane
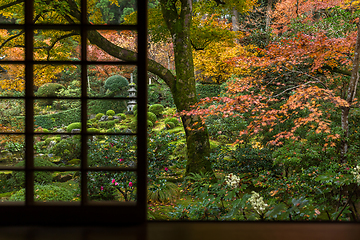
<point>57,150</point>
<point>112,151</point>
<point>12,44</point>
<point>112,81</point>
<point>112,186</point>
<point>107,12</point>
<point>55,12</point>
<point>12,80</point>
<point>11,186</point>
<point>62,78</point>
<point>60,45</point>
<point>12,117</point>
<point>55,115</point>
<point>125,40</point>
<point>13,14</point>
<point>57,186</point>
<point>12,149</point>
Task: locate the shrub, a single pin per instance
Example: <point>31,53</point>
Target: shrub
<point>98,116</point>
<point>107,124</point>
<point>208,90</point>
<point>93,130</point>
<point>116,83</point>
<point>116,120</point>
<point>170,125</point>
<point>133,125</point>
<point>163,191</point>
<point>67,149</point>
<point>48,90</point>
<point>157,109</point>
<point>110,117</point>
<point>110,112</point>
<point>122,115</point>
<point>173,120</point>
<point>150,124</point>
<point>152,117</point>
<point>75,125</point>
<point>42,177</point>
<point>46,193</point>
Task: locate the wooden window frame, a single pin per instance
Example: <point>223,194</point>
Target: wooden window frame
<point>83,212</point>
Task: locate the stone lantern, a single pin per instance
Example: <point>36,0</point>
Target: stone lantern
<point>132,93</point>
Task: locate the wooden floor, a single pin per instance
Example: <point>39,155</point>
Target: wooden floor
<point>190,231</point>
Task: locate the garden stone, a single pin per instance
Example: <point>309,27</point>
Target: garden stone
<point>60,130</point>
<point>104,118</point>
<point>51,144</point>
<point>76,130</point>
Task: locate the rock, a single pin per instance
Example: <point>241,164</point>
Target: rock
<point>76,130</point>
<point>60,130</point>
<point>51,144</point>
<point>103,118</point>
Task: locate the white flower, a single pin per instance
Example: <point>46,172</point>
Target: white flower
<point>232,180</point>
<point>257,202</point>
<point>356,173</point>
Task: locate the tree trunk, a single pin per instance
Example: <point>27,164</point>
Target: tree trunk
<point>184,91</point>
<point>235,22</point>
<point>350,96</point>
<point>268,13</point>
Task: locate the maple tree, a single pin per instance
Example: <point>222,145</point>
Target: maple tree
<point>300,81</point>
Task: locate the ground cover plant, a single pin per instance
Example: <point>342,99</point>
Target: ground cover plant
<point>256,118</point>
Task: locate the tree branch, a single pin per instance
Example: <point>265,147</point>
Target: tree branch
<point>11,4</point>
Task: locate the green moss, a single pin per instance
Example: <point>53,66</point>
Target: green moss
<point>110,113</point>
<point>157,109</point>
<point>76,125</point>
<point>152,117</point>
<point>98,116</point>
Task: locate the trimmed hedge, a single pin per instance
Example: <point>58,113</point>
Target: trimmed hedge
<point>157,109</point>
<point>152,117</point>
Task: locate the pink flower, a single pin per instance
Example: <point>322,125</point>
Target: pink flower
<point>113,181</point>
<point>120,159</point>
<point>130,184</point>
<point>166,169</point>
<point>105,156</point>
<point>101,188</point>
<point>116,184</point>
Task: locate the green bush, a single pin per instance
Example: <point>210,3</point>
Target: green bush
<point>116,83</point>
<point>67,149</point>
<point>93,130</point>
<point>116,120</point>
<point>110,112</point>
<point>170,125</point>
<point>123,116</point>
<point>157,109</point>
<point>75,125</point>
<point>150,124</point>
<point>152,117</point>
<point>48,140</point>
<point>46,193</point>
<point>133,126</point>
<point>173,120</point>
<point>107,124</point>
<point>48,90</point>
<point>98,116</point>
<point>42,177</point>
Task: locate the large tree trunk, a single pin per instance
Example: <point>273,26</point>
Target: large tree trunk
<point>184,91</point>
<point>351,92</point>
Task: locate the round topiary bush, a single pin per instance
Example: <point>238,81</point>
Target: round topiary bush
<point>99,115</point>
<point>116,83</point>
<point>76,125</point>
<point>152,117</point>
<point>46,193</point>
<point>170,125</point>
<point>67,149</point>
<point>110,117</point>
<point>157,109</point>
<point>42,177</point>
<point>121,115</point>
<point>107,124</point>
<point>173,120</point>
<point>110,112</point>
<point>48,90</point>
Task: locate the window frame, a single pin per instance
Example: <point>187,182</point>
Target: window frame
<point>83,212</point>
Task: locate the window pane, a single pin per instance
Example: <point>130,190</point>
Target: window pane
<point>12,149</point>
<point>12,117</point>
<point>112,186</point>
<point>12,44</point>
<point>12,80</point>
<point>108,12</point>
<point>57,186</point>
<point>60,45</point>
<point>54,12</point>
<point>112,151</point>
<point>11,182</point>
<point>126,41</point>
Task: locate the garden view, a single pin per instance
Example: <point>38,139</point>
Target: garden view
<point>253,109</point>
